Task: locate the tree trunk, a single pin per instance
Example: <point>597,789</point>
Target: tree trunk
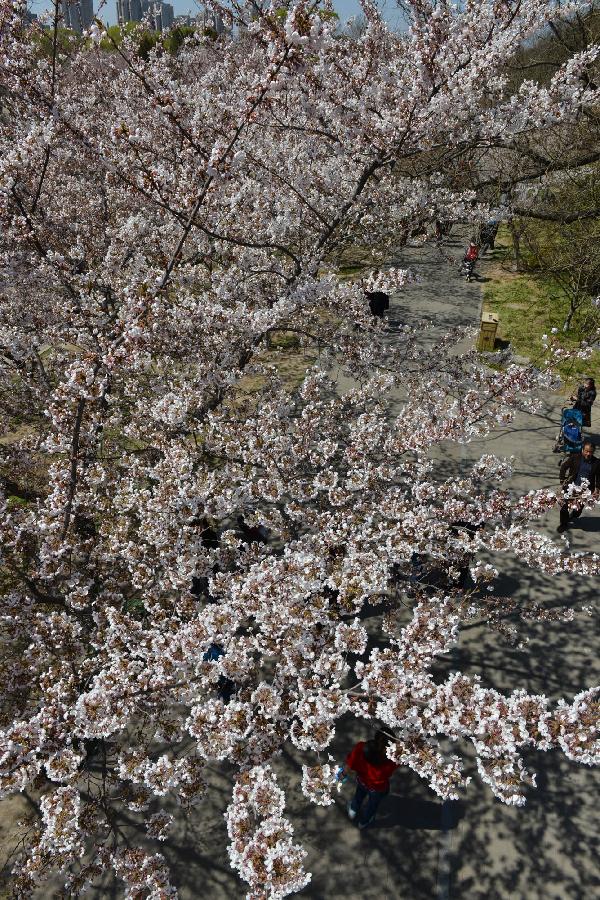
<point>573,305</point>
<point>516,241</point>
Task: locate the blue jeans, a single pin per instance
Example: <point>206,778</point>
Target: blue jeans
<point>367,814</point>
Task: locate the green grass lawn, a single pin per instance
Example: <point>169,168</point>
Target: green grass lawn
<point>529,306</point>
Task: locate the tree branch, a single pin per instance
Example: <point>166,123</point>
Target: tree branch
<point>74,459</point>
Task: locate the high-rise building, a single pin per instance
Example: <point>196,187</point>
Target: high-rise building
<point>77,14</point>
<point>129,11</point>
<point>168,14</point>
<point>161,14</point>
<point>209,19</point>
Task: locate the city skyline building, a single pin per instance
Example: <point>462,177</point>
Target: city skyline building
<point>129,11</point>
<point>78,15</point>
<point>108,14</point>
<point>161,14</point>
<point>206,18</point>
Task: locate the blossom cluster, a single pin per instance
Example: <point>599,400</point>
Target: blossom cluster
<point>261,838</point>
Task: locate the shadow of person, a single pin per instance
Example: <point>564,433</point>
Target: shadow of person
<point>418,814</point>
<point>591,524</point>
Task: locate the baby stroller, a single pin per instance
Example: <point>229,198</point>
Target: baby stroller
<point>570,437</point>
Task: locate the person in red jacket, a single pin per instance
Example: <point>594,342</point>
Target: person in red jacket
<point>472,253</point>
<point>373,771</point>
<point>467,266</point>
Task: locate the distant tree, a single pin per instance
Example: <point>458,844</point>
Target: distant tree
<point>541,57</point>
<point>563,242</point>
<point>176,36</point>
<point>147,41</point>
<point>114,34</point>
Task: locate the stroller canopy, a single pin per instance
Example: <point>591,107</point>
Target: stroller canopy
<point>570,427</point>
<point>572,415</point>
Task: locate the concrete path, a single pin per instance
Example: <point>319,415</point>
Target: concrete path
<point>418,848</point>
<point>479,848</point>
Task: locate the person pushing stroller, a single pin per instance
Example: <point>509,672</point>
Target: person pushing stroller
<point>584,398</point>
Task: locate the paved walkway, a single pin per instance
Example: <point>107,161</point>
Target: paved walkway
<point>419,849</point>
<point>479,848</point>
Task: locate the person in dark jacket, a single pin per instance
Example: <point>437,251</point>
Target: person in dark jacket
<point>487,235</point>
<point>373,771</point>
<point>252,533</point>
<point>226,688</point>
<point>442,229</point>
<point>378,302</point>
<point>576,468</point>
<point>586,394</point>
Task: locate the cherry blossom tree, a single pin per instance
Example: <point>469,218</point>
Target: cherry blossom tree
<point>190,543</point>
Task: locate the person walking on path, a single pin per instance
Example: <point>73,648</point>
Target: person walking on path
<point>471,256</point>
<point>586,394</point>
<point>378,302</point>
<point>576,468</point>
<point>373,771</point>
<point>487,235</point>
<point>442,229</point>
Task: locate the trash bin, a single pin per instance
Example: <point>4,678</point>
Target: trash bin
<point>487,332</point>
